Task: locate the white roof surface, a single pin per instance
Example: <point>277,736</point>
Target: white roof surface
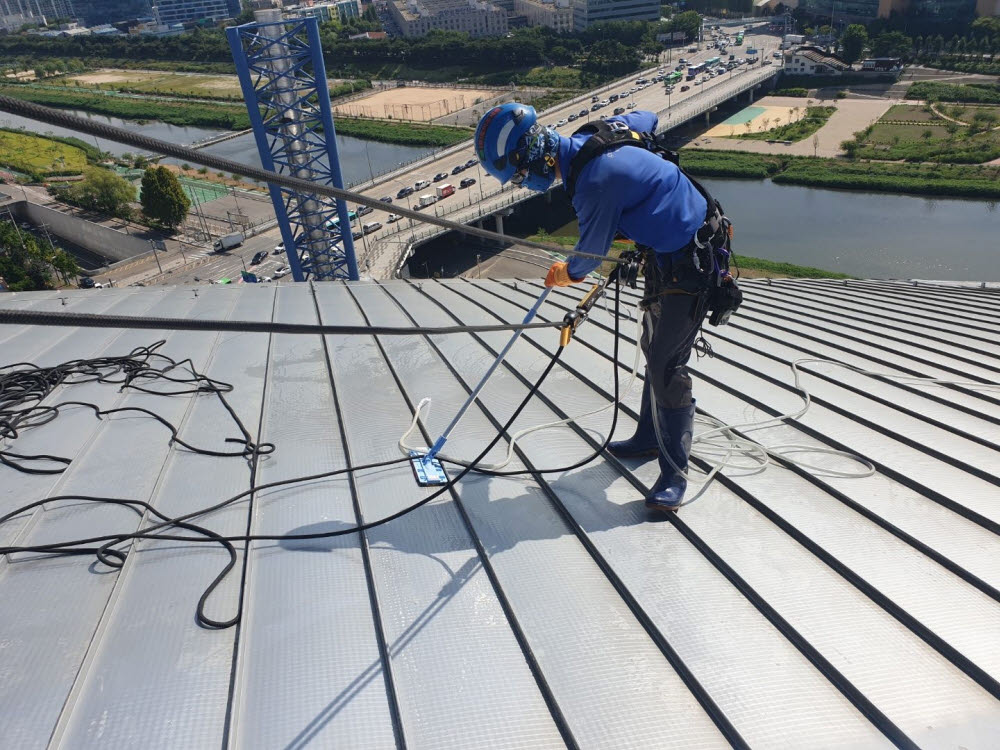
<point>780,610</point>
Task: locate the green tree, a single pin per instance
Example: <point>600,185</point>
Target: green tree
<point>27,262</point>
<point>853,42</point>
<point>689,22</point>
<point>163,199</point>
<point>101,190</point>
<point>892,44</point>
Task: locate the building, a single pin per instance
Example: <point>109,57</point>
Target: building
<point>15,13</point>
<point>170,12</point>
<point>325,12</point>
<point>813,61</point>
<point>112,11</point>
<point>868,10</point>
<point>556,14</point>
<point>478,18</point>
<point>587,12</point>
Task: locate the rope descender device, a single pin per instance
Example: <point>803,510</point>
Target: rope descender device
<point>573,319</point>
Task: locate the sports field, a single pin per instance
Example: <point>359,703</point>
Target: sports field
<point>422,103</point>
<point>757,120</point>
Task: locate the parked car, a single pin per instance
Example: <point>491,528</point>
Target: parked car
<point>258,257</point>
<point>420,184</point>
<point>459,168</point>
<point>278,249</point>
<point>280,271</point>
<point>440,176</point>
<point>403,192</point>
<point>392,218</point>
<point>467,182</point>
<point>385,199</point>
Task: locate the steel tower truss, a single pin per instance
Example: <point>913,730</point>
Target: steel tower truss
<point>283,78</point>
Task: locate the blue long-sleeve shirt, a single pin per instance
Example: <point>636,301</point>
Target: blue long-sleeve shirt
<point>632,191</point>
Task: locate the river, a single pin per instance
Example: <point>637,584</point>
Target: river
<point>359,159</point>
<point>870,235</point>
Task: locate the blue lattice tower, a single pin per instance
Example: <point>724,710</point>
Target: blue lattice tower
<point>281,71</point>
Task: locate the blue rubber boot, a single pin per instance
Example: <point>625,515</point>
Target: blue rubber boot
<point>676,427</point>
<point>643,442</point>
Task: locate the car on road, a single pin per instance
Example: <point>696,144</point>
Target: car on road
<point>459,168</point>
<point>392,218</point>
<point>631,105</point>
<point>385,199</point>
<point>403,192</point>
<point>561,122</point>
<point>619,110</point>
<point>278,249</point>
<point>471,163</point>
<point>440,176</point>
<point>594,99</point>
<point>258,257</point>
<point>768,62</point>
<point>623,95</point>
<point>685,88</point>
<point>421,184</point>
<point>595,107</point>
<point>574,118</point>
<point>280,271</point>
<point>613,98</point>
<point>582,113</point>
<point>467,182</point>
<point>86,282</point>
<point>364,210</point>
<point>356,234</point>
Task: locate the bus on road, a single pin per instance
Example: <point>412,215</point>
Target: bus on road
<point>673,77</point>
<point>712,62</point>
<point>694,70</point>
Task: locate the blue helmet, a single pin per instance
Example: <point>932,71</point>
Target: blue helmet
<point>509,138</point>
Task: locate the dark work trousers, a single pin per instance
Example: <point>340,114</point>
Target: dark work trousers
<point>675,302</point>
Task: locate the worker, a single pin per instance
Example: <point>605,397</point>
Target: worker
<point>634,192</point>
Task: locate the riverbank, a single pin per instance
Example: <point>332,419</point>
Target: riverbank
<point>227,116</point>
<point>962,181</point>
<point>751,268</point>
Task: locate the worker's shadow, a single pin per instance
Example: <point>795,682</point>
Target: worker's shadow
<point>503,512</point>
<point>499,521</point>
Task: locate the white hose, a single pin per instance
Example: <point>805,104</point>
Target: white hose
<point>719,440</point>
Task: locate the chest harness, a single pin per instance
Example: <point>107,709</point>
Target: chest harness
<point>710,249</point>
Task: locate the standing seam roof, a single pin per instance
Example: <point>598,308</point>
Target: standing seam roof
<point>784,608</point>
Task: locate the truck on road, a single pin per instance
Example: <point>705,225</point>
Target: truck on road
<point>228,242</point>
<point>428,199</point>
<point>443,191</point>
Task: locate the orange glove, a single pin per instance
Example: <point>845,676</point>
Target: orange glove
<point>559,275</point>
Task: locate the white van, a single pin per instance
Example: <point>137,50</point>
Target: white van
<point>371,227</point>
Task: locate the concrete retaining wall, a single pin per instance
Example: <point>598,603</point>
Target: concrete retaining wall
<point>100,240</point>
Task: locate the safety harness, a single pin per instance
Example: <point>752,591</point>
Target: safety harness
<point>710,250</point>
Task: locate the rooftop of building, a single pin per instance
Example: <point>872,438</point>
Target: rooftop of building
<point>785,607</point>
<point>820,55</point>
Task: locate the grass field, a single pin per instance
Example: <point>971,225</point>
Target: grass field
<point>149,82</point>
<point>36,155</point>
<point>907,132</point>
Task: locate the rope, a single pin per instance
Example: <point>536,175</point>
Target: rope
<point>88,320</point>
<point>305,187</point>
